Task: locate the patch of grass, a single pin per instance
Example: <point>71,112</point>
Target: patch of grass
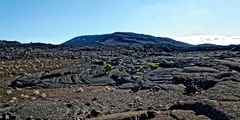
<point>139,68</point>
<point>108,67</point>
<point>154,66</point>
<point>21,66</point>
<point>137,99</point>
<point>136,77</point>
<point>80,89</point>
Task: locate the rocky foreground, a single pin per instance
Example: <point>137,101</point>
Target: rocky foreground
<point>119,82</point>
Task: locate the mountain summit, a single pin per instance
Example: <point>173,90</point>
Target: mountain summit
<point>122,38</point>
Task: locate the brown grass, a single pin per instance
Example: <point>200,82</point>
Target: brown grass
<point>20,66</point>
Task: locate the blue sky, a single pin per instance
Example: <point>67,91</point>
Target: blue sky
<point>55,21</point>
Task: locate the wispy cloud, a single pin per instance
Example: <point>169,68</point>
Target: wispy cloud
<point>210,39</point>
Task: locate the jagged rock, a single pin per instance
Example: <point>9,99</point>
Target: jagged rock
<point>206,81</point>
<point>207,108</point>
<point>187,115</point>
<point>25,81</point>
<point>199,69</point>
<point>94,113</point>
<point>8,116</point>
<point>93,75</point>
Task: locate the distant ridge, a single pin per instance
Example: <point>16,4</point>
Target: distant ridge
<point>5,42</point>
<point>126,38</point>
<point>121,38</point>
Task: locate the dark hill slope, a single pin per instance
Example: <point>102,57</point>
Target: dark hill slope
<point>122,38</point>
<point>8,43</point>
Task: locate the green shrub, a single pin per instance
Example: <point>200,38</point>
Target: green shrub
<point>153,66</point>
<point>137,67</point>
<point>136,77</point>
<point>108,67</point>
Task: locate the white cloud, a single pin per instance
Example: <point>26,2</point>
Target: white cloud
<point>211,39</point>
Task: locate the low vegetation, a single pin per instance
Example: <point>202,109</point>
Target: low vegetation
<point>108,67</point>
<point>18,67</point>
<point>154,66</point>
